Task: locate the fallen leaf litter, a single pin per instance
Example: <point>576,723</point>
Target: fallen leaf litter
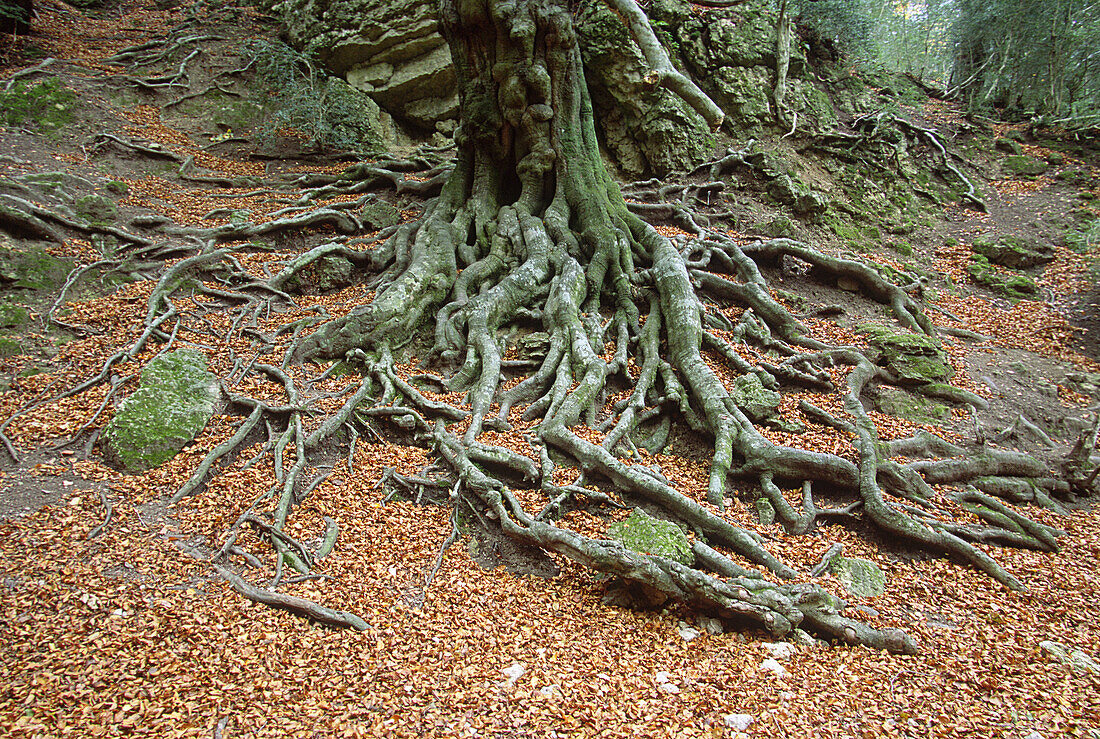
<point>131,633</point>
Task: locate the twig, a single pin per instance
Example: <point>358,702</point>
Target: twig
<point>294,604</point>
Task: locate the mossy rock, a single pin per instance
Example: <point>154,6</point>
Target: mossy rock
<point>13,315</point>
<point>750,395</point>
<point>32,269</point>
<point>779,227</point>
<point>643,533</point>
<point>911,357</point>
<point>96,209</point>
<point>325,275</point>
<point>379,214</point>
<point>171,406</point>
<point>860,577</point>
<point>912,407</point>
<point>1024,166</point>
<point>1010,146</point>
<point>1012,284</point>
<point>1017,252</point>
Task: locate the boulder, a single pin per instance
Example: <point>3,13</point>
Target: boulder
<point>860,577</point>
<point>1025,166</point>
<point>911,357</point>
<point>643,533</point>
<point>389,49</point>
<point>171,406</point>
<point>750,395</point>
<point>1015,251</point>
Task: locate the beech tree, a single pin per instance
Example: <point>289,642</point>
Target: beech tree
<point>530,233</point>
<point>530,230</point>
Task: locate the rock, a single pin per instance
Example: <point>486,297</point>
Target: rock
<point>31,268</point>
<point>513,673</point>
<point>712,626</point>
<point>779,650</point>
<point>911,357</point>
<point>737,721</point>
<point>860,577</point>
<point>687,633</point>
<point>772,666</point>
<point>1012,285</point>
<point>1081,662</point>
<point>354,119</point>
<point>1008,145</point>
<point>1076,659</point>
<point>533,346</point>
<point>643,533</point>
<point>765,512</point>
<point>1056,158</point>
<point>750,395</point>
<point>389,49</point>
<point>96,209</point>
<point>1017,252</point>
<point>379,214</point>
<point>665,684</point>
<point>324,275</point>
<point>904,404</point>
<point>171,406</point>
<point>804,638</point>
<point>1023,165</point>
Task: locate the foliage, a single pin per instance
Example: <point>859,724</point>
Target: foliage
<point>46,104</point>
<point>1028,57</point>
<point>299,100</point>
<point>11,11</point>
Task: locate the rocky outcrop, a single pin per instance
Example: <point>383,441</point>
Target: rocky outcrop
<point>392,50</point>
<point>646,129</point>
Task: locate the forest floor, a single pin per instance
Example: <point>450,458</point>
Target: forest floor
<point>133,633</point>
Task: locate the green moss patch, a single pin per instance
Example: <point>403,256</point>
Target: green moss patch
<point>643,533</point>
<point>911,357</point>
<point>46,104</point>
<point>1024,166</point>
<point>860,577</point>
<point>171,406</point>
<point>1017,252</point>
<point>1009,284</point>
<point>32,269</point>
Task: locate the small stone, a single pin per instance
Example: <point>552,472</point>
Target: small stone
<point>804,638</point>
<point>770,665</point>
<point>670,688</point>
<point>1034,735</point>
<point>549,691</point>
<point>779,650</point>
<point>712,626</point>
<point>514,673</point>
<point>1054,649</point>
<point>1081,662</point>
<point>661,677</point>
<point>737,721</point>
<point>687,633</point>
